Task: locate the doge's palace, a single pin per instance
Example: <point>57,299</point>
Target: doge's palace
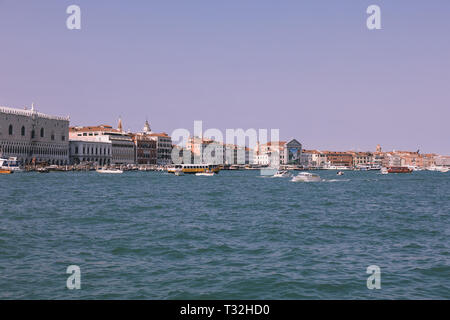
<point>30,135</point>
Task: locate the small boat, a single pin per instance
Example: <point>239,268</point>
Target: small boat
<point>340,173</point>
<point>281,174</point>
<point>178,172</point>
<point>438,168</point>
<point>112,171</point>
<point>42,170</point>
<point>306,177</point>
<point>6,171</point>
<point>384,171</point>
<point>399,170</point>
<point>10,164</point>
<point>205,174</point>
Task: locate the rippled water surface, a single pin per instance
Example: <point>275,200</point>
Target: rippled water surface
<point>149,235</point>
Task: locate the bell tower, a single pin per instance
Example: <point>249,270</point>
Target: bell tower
<point>146,128</point>
<point>119,125</point>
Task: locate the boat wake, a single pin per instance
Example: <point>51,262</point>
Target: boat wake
<point>336,180</point>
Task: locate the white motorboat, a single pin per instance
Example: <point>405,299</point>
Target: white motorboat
<point>306,177</point>
<point>438,168</point>
<point>282,174</point>
<point>111,171</point>
<point>178,172</point>
<point>10,164</point>
<point>384,170</point>
<point>205,174</point>
<point>340,173</point>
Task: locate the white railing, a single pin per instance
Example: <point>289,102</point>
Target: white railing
<point>29,113</point>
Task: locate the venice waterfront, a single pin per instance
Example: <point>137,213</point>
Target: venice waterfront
<point>237,235</point>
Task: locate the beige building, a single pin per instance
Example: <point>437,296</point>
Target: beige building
<point>278,153</point>
<point>205,150</point>
<point>362,159</point>
<point>32,136</point>
<point>313,158</point>
<point>122,144</point>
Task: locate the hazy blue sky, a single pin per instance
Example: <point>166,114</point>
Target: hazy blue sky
<point>310,68</point>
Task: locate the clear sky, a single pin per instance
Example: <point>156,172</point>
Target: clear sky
<point>309,68</point>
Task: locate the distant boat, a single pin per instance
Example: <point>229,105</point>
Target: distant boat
<point>399,170</point>
<point>193,168</point>
<point>282,174</point>
<point>205,174</point>
<point>438,168</point>
<point>111,171</point>
<point>178,172</point>
<point>306,177</point>
<point>340,173</point>
<point>10,164</point>
<point>6,171</point>
<point>384,171</point>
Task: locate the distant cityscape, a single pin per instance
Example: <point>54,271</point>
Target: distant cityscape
<point>36,138</point>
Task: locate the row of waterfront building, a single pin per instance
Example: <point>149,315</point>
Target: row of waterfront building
<point>377,159</point>
<point>292,150</point>
<point>34,137</point>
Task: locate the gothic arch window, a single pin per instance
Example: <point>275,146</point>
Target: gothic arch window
<point>23,131</point>
<point>10,130</point>
<point>42,132</point>
<point>53,136</point>
<point>32,134</point>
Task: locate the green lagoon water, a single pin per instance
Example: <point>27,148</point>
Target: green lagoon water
<point>237,235</point>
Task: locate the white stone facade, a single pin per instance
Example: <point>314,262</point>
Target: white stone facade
<point>122,145</point>
<point>98,152</point>
<point>33,136</point>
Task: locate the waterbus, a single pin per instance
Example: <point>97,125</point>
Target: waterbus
<point>193,168</point>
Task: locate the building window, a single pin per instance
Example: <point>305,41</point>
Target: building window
<point>23,131</point>
<point>10,130</point>
<point>42,132</point>
<point>53,136</point>
<point>63,138</point>
<point>32,134</point>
